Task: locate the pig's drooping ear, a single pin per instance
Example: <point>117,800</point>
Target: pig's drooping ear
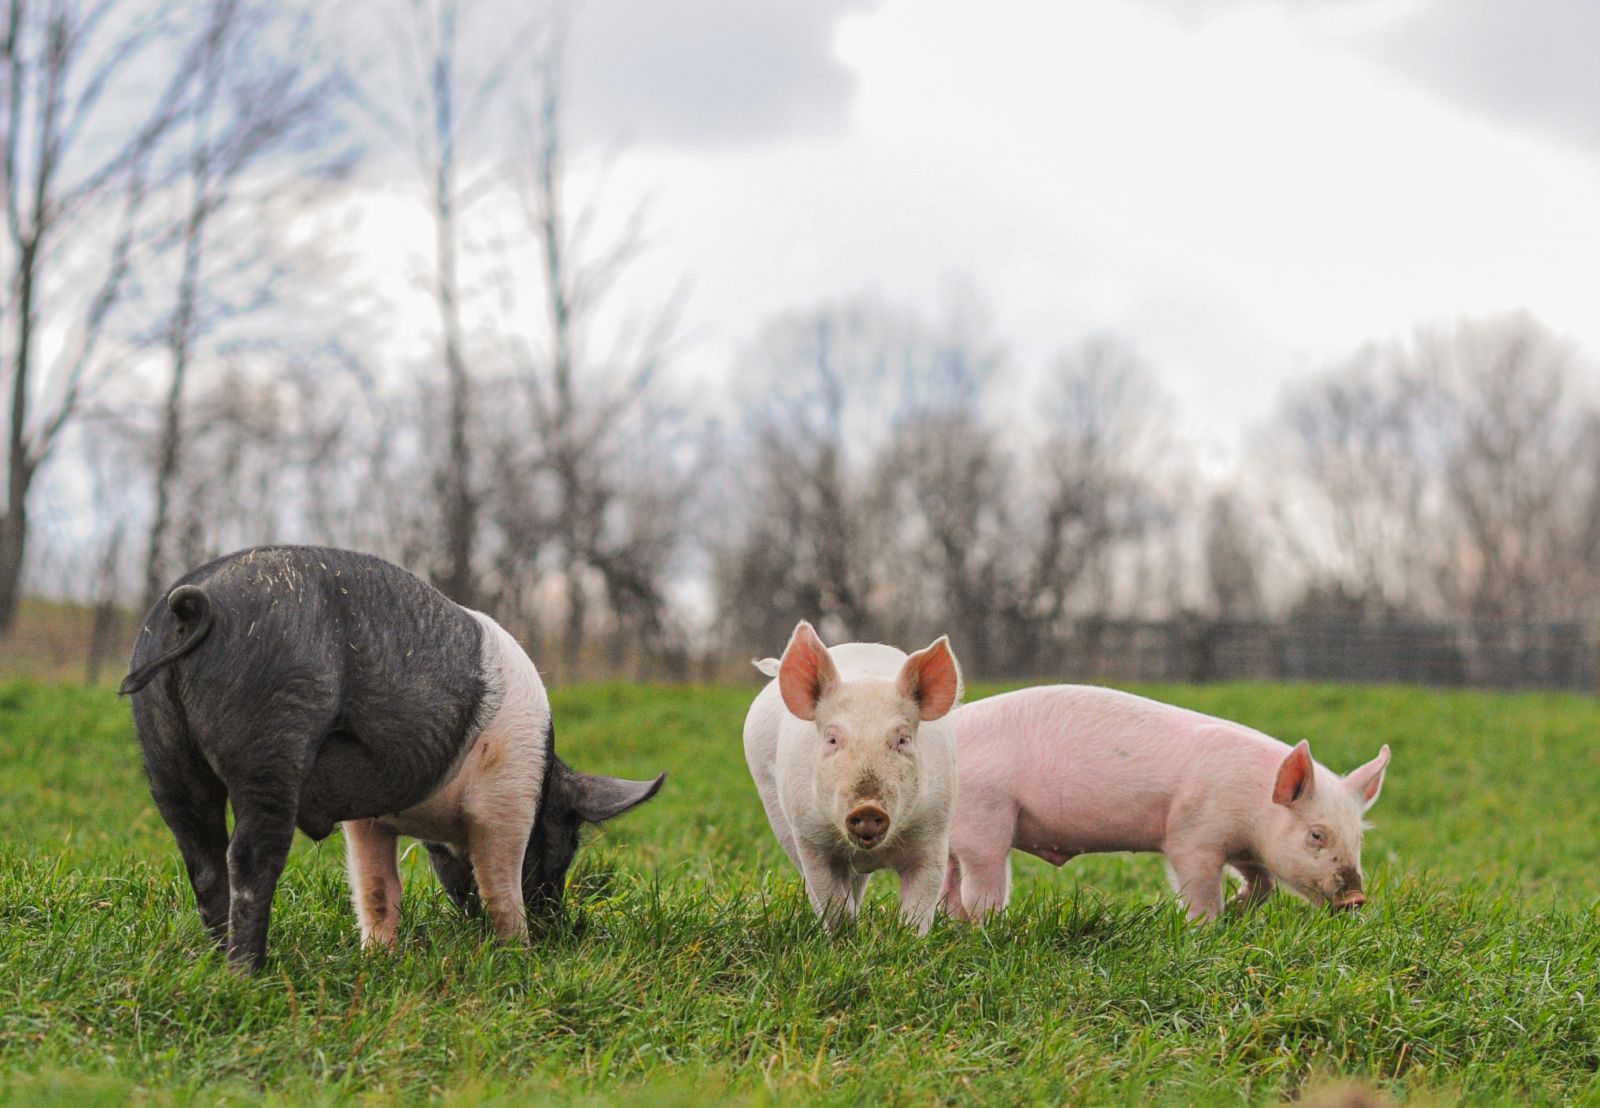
<point>931,678</point>
<point>597,798</point>
<point>806,674</point>
<point>1367,781</point>
<point>1296,777</point>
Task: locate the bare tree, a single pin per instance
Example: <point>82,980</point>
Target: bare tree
<point>824,386</point>
<point>1107,450</point>
<point>946,481</point>
<point>1232,553</point>
<point>68,70</point>
<point>1518,455</point>
<point>614,512</point>
<point>445,107</point>
<point>437,150</point>
<point>244,111</point>
<point>104,630</point>
<point>1353,471</point>
<point>240,487</point>
<point>1455,473</point>
<point>945,521</point>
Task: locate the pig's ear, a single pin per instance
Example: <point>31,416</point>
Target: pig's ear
<point>1367,781</point>
<point>931,678</point>
<point>596,798</point>
<point>806,674</point>
<point>1296,777</point>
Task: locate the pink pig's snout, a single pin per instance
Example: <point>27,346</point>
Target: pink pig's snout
<point>1349,895</point>
<point>867,824</point>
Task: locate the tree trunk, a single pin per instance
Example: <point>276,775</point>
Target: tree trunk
<point>19,467</point>
<point>460,508</point>
<point>13,546</point>
<point>14,525</point>
<point>577,618</point>
<point>166,475</point>
<point>461,516</point>
<point>167,466</point>
<point>103,632</point>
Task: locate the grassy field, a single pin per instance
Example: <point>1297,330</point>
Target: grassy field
<point>693,972</point>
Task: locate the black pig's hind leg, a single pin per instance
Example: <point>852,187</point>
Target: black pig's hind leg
<point>193,802</point>
<point>265,777</point>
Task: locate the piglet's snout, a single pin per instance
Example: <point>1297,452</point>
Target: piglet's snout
<point>867,824</point>
<point>1350,894</point>
<point>1355,898</point>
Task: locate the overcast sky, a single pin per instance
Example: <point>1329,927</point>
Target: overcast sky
<point>1243,189</point>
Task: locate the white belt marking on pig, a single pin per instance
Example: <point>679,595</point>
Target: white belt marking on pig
<point>500,774</point>
<point>491,671</point>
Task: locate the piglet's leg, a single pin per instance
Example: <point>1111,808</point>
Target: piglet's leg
<point>950,896</point>
<point>194,803</point>
<point>920,884</point>
<point>496,849</point>
<point>834,890</point>
<point>374,880</point>
<point>265,761</point>
<point>1258,885</point>
<point>262,834</point>
<point>985,882</point>
<point>1197,876</point>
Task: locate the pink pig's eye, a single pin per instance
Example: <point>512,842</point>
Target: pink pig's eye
<point>902,737</point>
<point>832,736</point>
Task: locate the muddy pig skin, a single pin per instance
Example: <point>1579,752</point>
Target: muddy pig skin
<point>1064,770</point>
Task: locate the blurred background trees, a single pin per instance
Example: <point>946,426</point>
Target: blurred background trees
<point>191,340</point>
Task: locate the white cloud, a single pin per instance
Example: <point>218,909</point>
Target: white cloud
<point>707,72</point>
<point>1243,198</point>
<point>1238,198</point>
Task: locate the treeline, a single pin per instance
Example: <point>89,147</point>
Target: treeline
<point>1452,476</point>
<point>199,357</point>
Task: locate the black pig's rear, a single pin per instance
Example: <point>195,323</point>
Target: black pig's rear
<point>309,686</point>
<point>333,668</point>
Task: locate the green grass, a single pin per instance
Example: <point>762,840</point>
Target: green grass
<point>696,974</point>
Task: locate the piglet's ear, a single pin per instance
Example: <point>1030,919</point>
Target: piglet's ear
<point>931,679</point>
<point>1296,777</point>
<point>1367,781</point>
<point>597,799</point>
<point>806,674</point>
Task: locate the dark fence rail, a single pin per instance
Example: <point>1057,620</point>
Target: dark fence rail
<point>1492,655</point>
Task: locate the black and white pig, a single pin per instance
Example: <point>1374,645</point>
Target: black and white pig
<point>310,687</point>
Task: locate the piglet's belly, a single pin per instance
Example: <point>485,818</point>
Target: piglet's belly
<point>439,823</point>
<point>1081,829</point>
